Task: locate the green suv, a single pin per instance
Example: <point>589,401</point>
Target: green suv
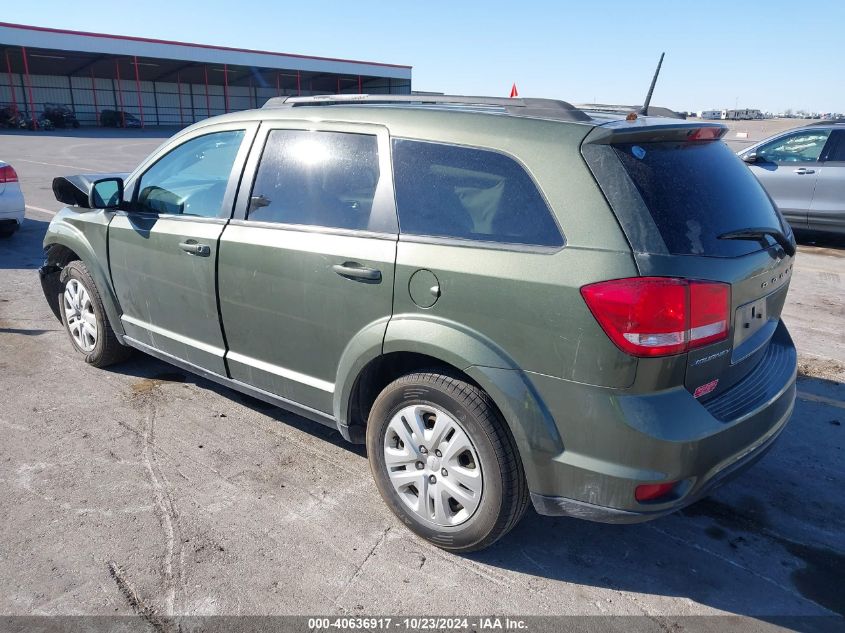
<point>510,301</point>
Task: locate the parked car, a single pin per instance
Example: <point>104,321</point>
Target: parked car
<point>61,116</point>
<point>510,301</point>
<point>11,117</point>
<point>117,118</point>
<point>42,123</point>
<point>11,201</point>
<point>803,170</point>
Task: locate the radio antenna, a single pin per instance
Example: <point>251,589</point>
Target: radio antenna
<point>644,109</point>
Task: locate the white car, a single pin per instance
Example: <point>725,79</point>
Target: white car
<point>11,201</point>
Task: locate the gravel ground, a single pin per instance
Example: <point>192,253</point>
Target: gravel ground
<point>141,489</point>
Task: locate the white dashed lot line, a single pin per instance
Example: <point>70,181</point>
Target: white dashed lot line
<point>37,162</point>
<point>40,210</point>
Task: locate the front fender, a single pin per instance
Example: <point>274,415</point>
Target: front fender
<point>85,232</point>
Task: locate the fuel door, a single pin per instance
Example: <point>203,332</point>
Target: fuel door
<point>424,288</point>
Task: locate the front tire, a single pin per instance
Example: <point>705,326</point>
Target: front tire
<point>445,462</point>
<point>84,318</point>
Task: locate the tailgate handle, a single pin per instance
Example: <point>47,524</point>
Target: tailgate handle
<point>803,170</point>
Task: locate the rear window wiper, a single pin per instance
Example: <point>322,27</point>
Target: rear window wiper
<point>758,234</point>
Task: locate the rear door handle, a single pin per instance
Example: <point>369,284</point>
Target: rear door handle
<point>256,202</point>
<point>803,170</point>
<point>203,250</point>
<point>351,270</point>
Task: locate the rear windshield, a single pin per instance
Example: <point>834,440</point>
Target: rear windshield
<point>697,191</point>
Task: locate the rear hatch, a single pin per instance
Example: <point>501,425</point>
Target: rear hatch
<point>692,210</point>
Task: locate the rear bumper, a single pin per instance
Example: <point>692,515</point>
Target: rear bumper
<point>561,506</point>
<point>12,205</point>
<point>614,443</point>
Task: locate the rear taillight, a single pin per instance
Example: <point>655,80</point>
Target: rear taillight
<point>7,174</point>
<point>660,316</point>
<point>706,134</point>
<point>709,312</point>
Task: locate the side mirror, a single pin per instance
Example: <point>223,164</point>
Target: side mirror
<point>106,194</point>
<point>750,158</point>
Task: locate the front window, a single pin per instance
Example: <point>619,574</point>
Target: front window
<point>191,179</point>
<point>803,147</point>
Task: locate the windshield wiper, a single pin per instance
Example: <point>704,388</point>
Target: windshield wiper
<point>758,234</point>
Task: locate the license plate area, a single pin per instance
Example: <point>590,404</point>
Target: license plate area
<point>754,324</point>
<point>750,318</point>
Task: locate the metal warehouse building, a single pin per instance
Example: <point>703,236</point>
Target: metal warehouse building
<point>163,82</point>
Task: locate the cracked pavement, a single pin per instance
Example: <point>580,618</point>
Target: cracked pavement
<point>142,489</point>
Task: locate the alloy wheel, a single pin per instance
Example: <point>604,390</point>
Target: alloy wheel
<point>79,314</point>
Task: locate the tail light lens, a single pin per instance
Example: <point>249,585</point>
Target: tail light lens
<point>660,316</point>
<point>706,134</point>
<point>7,174</point>
<point>710,305</point>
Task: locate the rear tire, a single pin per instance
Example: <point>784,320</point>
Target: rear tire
<point>445,462</point>
<point>85,320</point>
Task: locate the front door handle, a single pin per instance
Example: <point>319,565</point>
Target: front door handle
<point>351,270</point>
<point>803,170</point>
<point>191,246</point>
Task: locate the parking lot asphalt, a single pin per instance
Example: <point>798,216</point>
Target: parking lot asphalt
<point>141,486</point>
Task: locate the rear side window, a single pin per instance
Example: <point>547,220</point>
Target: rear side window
<point>469,194</point>
<point>697,191</point>
<point>837,152</point>
<point>316,178</point>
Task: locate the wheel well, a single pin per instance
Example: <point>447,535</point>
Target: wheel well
<point>58,256</point>
<point>379,373</point>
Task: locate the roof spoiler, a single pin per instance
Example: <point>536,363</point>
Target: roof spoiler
<point>654,131</point>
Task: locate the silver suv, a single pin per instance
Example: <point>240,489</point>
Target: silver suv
<point>803,171</point>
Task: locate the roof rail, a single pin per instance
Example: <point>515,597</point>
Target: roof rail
<point>544,108</point>
<point>828,122</point>
<point>624,109</point>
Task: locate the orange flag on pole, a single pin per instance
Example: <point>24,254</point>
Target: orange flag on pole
<point>514,91</point>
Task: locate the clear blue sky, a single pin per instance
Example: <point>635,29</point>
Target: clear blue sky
<point>771,54</point>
